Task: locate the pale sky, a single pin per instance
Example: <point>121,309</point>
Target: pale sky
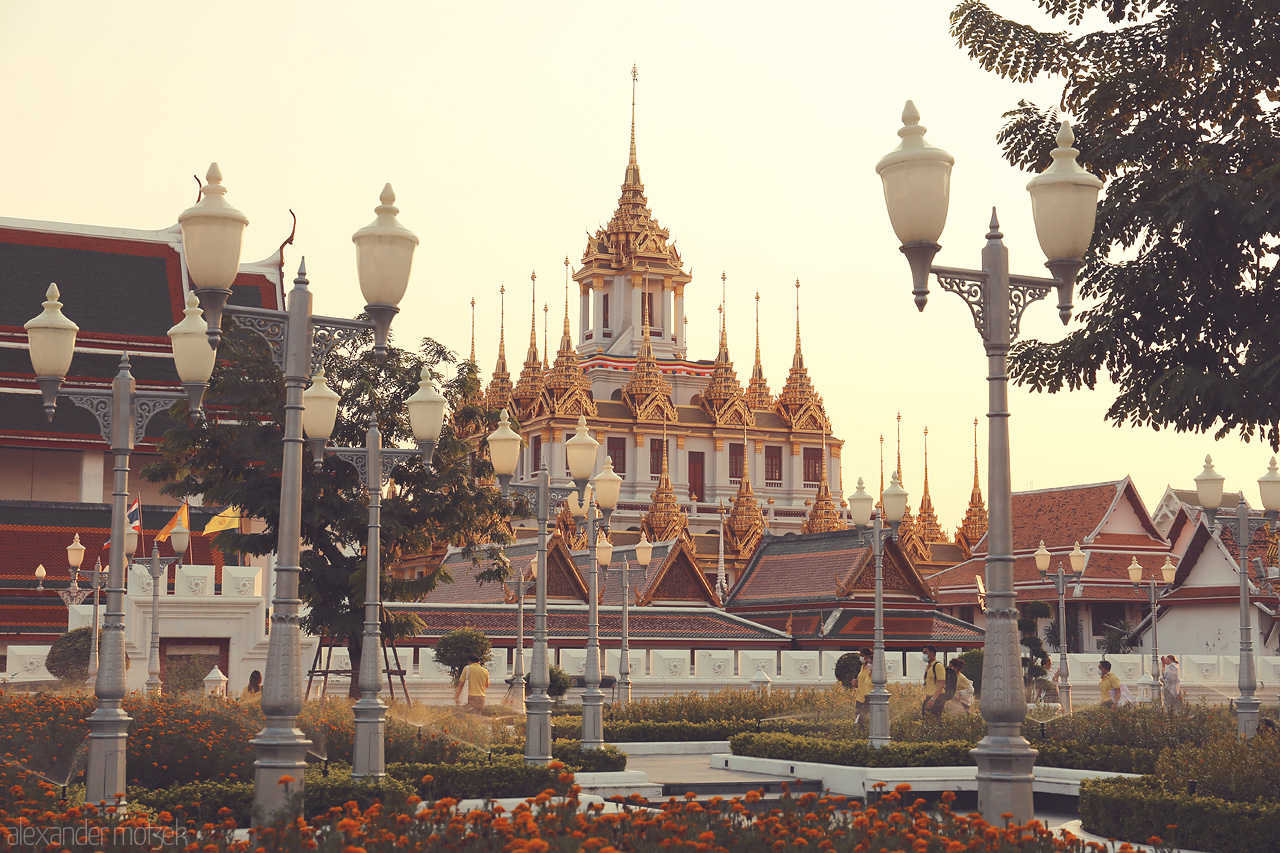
<point>504,130</point>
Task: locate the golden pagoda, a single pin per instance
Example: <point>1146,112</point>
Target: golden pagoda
<point>974,526</point>
<point>565,390</point>
<point>927,522</point>
<point>664,520</point>
<point>529,388</point>
<point>759,397</point>
<point>498,395</point>
<point>723,400</point>
<point>824,516</point>
<point>798,402</point>
<point>647,393</point>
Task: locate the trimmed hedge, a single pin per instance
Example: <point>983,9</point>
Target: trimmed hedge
<point>858,753</point>
<point>198,801</point>
<point>851,753</point>
<point>606,759</point>
<point>1137,809</point>
<point>502,776</point>
<point>645,731</point>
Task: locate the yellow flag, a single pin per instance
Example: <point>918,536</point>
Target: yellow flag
<point>181,515</point>
<point>226,520</point>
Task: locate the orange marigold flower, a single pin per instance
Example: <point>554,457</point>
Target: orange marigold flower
<point>286,779</point>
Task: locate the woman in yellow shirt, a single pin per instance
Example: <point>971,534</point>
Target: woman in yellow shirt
<point>863,690</point>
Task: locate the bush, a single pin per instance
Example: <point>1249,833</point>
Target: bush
<point>559,682</point>
<point>852,753</point>
<point>1137,809</point>
<point>1134,726</point>
<point>68,658</point>
<point>338,788</point>
<point>459,647</point>
<point>606,759</point>
<point>501,776</point>
<point>1226,767</point>
<point>198,801</point>
<point>848,667</point>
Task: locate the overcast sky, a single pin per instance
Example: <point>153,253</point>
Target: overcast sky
<point>504,130</point>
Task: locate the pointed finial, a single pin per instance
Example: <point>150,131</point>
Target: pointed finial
<point>388,197</point>
<point>634,77</point>
<point>910,115</point>
<point>566,297</point>
<point>975,453</point>
<point>899,471</point>
<point>1065,136</point>
<point>533,317</point>
<point>994,233</point>
<point>546,342</point>
<point>926,459</point>
<point>797,318</point>
<point>473,327</point>
<point>301,280</point>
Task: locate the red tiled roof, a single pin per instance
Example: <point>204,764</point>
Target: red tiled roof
<point>1071,514</point>
<point>1106,577</point>
<point>799,568</point>
<point>908,628</point>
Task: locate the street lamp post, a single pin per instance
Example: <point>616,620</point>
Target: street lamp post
<point>861,506</point>
<point>644,553</point>
<point>1060,581</point>
<point>523,587</point>
<point>375,464</point>
<point>212,231</point>
<point>602,494</point>
<point>917,183</point>
<point>179,538</point>
<point>122,414</point>
<point>73,595</point>
<point>504,453</point>
<point>1209,492</point>
<point>1154,594</point>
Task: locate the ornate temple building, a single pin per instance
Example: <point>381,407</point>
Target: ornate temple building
<point>685,426</point>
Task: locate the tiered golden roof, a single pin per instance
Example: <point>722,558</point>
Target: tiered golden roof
<point>647,393</point>
<point>529,387</point>
<point>759,397</point>
<point>723,399</point>
<point>475,394</point>
<point>665,520</point>
<point>909,538</point>
<point>974,526</point>
<point>798,402</point>
<point>566,390</point>
<point>498,395</point>
<point>746,520</point>
<point>927,523</point>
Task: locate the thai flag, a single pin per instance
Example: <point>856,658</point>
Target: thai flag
<point>133,519</point>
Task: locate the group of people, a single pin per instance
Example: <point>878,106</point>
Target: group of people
<point>947,690</point>
<point>1114,694</point>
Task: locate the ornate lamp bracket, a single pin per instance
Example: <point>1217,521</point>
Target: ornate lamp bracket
<point>271,326</point>
<point>146,406</point>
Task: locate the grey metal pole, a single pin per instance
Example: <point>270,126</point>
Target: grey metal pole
<point>593,696</point>
<point>537,745</point>
<point>624,662</point>
<point>1005,760</point>
<point>369,752</point>
<point>153,660</point>
<point>1247,705</point>
<point>879,698</point>
<point>96,632</point>
<point>1064,676</point>
<point>281,748</point>
<point>517,677</point>
<point>108,724</point>
<point>1157,680</point>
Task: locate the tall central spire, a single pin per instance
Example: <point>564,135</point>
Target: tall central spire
<point>927,520</point>
<point>473,330</point>
<point>566,342</point>
<point>797,361</point>
<point>974,526</point>
<point>498,394</point>
<point>633,168</point>
<point>531,376</point>
<point>759,397</point>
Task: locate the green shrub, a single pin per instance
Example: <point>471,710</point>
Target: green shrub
<point>198,801</point>
<point>68,658</point>
<point>1226,767</point>
<point>848,667</point>
<point>459,647</point>
<point>559,682</point>
<point>338,788</point>
<point>851,753</point>
<point>1137,809</point>
<point>606,759</point>
<point>741,704</point>
<point>1106,757</point>
<point>1134,726</point>
<point>501,776</point>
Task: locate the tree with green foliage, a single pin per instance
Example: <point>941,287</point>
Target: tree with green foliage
<point>1175,103</point>
<point>234,458</point>
<point>1036,660</point>
<point>847,668</point>
<point>459,647</point>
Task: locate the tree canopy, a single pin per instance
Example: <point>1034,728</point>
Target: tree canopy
<point>1175,104</point>
<point>234,458</point>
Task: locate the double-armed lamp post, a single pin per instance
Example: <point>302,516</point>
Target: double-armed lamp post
<point>504,453</point>
<point>179,538</point>
<point>73,594</point>
<point>212,231</point>
<point>917,188</point>
<point>644,553</point>
<point>861,513</point>
<point>1154,594</point>
<point>1060,581</point>
<point>1209,492</point>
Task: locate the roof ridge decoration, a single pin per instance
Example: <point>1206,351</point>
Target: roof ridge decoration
<point>759,397</point>
<point>746,520</point>
<point>896,577</point>
<point>824,516</point>
<point>927,520</point>
<point>647,392</point>
<point>974,526</point>
<point>723,399</point>
<point>566,392</point>
<point>498,394</point>
<point>688,584</point>
<point>798,402</point>
<point>529,387</point>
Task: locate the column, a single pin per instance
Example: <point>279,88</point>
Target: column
<point>721,481</point>
<point>91,466</point>
<point>555,465</point>
<point>756,460</point>
<point>597,309</point>
<point>584,311</point>
<point>833,471</point>
<point>679,324</point>
<point>681,469</point>
<point>668,328</point>
<point>637,312</point>
<point>797,468</point>
<point>640,466</point>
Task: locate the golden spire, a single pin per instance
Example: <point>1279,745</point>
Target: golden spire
<point>531,377</point>
<point>746,520</point>
<point>567,387</point>
<point>473,330</point>
<point>759,398</point>
<point>879,500</point>
<point>825,516</point>
<point>908,524</point>
<point>899,469</point>
<point>723,388</point>
<point>974,526</point>
<point>565,340</point>
<point>927,519</point>
<point>546,341</point>
<point>476,396</point>
<point>665,520</point>
<point>647,380</point>
<point>631,160</point>
<point>498,394</point>
<point>799,403</point>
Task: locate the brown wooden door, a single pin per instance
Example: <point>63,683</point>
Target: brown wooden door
<point>697,475</point>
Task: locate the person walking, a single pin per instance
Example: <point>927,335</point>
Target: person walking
<point>1171,691</point>
<point>935,682</point>
<point>1109,685</point>
<point>476,679</point>
<point>959,690</point>
<point>861,705</point>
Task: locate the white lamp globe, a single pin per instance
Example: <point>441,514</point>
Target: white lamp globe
<point>1269,487</point>
<point>894,500</point>
<point>1064,202</point>
<point>580,451</point>
<point>384,254</point>
<point>75,553</point>
<point>212,234</point>
<point>192,355</point>
<point>426,409</point>
<point>52,338</point>
<point>1135,571</point>
<point>504,447</point>
<point>320,408</point>
<point>1077,559</point>
<point>608,485</point>
<point>861,505</point>
<point>644,550</point>
<point>1042,557</point>
<point>917,183</point>
<point>1209,485</point>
